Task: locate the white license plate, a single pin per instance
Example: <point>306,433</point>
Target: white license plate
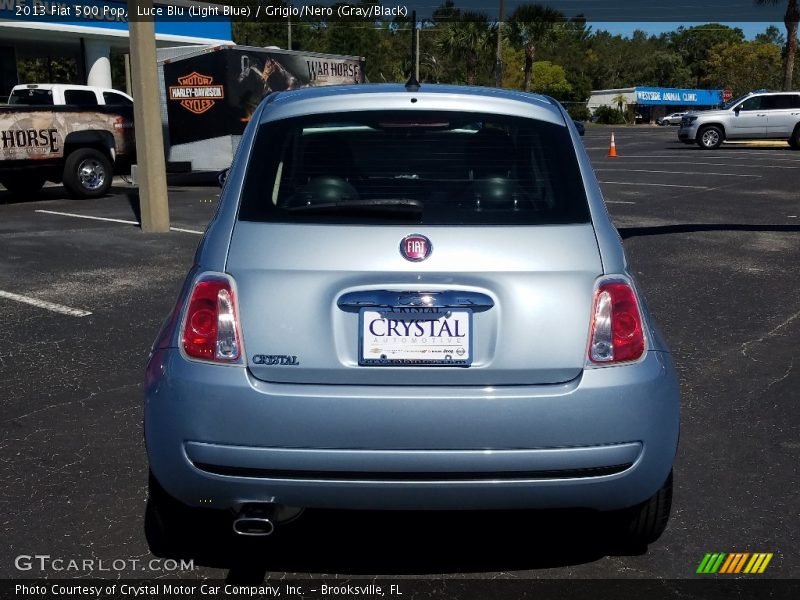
<point>414,337</point>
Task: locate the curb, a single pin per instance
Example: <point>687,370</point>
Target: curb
<point>759,143</point>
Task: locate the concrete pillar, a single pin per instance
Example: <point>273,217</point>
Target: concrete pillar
<point>128,78</point>
<point>147,116</point>
<point>98,63</point>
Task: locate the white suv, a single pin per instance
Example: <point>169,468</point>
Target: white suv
<point>754,116</point>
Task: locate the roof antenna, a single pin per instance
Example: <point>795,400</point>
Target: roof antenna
<point>412,85</point>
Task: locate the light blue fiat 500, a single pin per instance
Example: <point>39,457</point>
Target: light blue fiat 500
<point>411,297</point>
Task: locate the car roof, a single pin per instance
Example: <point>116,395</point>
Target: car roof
<point>381,96</point>
<point>72,86</point>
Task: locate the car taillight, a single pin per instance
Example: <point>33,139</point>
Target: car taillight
<point>211,329</point>
<point>616,334</point>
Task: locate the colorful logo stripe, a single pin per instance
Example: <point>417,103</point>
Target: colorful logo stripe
<point>731,564</point>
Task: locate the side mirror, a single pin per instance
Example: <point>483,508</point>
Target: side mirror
<point>736,110</point>
<point>222,176</point>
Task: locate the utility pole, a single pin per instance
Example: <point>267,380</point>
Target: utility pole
<point>289,26</point>
<point>498,64</point>
<point>416,52</point>
<point>153,201</point>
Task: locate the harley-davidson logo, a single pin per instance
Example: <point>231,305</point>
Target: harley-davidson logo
<point>196,92</point>
<point>415,247</point>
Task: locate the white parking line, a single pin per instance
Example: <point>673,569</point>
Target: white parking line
<point>679,172</point>
<point>124,221</point>
<point>693,187</point>
<point>708,164</point>
<point>194,231</point>
<point>63,214</point>
<point>59,308</point>
<point>619,202</point>
<point>723,156</point>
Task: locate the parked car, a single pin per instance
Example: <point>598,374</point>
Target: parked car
<point>672,119</point>
<point>409,298</point>
<point>754,116</point>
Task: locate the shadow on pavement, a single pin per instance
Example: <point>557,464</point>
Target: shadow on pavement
<point>629,232</point>
<point>396,543</point>
<point>53,192</point>
<point>778,145</point>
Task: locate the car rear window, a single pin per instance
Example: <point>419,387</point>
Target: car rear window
<point>116,99</point>
<point>432,168</point>
<point>31,97</point>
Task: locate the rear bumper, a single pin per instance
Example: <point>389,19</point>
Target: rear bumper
<point>605,440</point>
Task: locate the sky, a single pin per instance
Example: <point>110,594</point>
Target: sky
<point>751,29</point>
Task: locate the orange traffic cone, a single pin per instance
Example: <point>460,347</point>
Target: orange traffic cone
<point>612,149</point>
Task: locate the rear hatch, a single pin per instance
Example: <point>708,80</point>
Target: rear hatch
<point>447,249</point>
<point>292,280</point>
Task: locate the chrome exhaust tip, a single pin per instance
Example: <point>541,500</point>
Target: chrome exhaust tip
<point>255,520</point>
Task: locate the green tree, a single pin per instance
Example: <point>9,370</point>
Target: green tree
<point>469,38</point>
<point>745,66</point>
<point>771,35</point>
<point>263,32</point>
<point>530,26</point>
<point>791,19</point>
<point>694,44</point>
<point>447,12</point>
<point>620,100</point>
<point>551,79</point>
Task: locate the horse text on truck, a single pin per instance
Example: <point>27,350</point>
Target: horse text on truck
<point>81,146</point>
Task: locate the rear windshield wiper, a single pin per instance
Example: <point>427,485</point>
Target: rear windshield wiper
<point>401,206</point>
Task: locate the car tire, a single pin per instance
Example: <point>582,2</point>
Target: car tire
<point>87,173</point>
<point>24,185</point>
<point>794,141</point>
<point>634,528</point>
<point>710,137</point>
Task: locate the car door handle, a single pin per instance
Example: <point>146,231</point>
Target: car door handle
<point>354,301</point>
<point>761,115</point>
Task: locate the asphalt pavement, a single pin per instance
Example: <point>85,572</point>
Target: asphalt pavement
<point>712,237</point>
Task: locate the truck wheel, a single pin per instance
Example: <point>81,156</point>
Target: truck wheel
<point>710,138</point>
<point>23,185</point>
<point>636,527</point>
<point>87,173</point>
<point>794,141</point>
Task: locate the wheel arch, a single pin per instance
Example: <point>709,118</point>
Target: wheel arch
<point>99,140</point>
<point>712,124</point>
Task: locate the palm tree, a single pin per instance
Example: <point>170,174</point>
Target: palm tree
<point>791,19</point>
<point>620,100</point>
<point>469,37</point>
<point>531,25</point>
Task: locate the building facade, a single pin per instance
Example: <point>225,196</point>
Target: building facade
<point>652,103</point>
<point>89,34</point>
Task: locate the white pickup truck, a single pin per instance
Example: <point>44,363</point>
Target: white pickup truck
<point>81,143</point>
<point>59,94</point>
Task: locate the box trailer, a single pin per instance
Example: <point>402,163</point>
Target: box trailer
<point>208,94</point>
